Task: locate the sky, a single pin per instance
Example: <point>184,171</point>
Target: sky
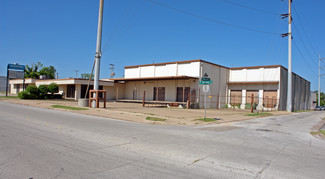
<point>231,33</point>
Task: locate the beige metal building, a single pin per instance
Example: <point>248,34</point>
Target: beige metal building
<point>179,82</point>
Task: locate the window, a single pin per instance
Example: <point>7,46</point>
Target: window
<point>249,94</point>
<point>235,97</point>
<point>71,91</point>
<point>160,92</point>
<point>182,94</point>
<point>270,98</point>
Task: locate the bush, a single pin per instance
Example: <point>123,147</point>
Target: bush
<point>43,89</point>
<point>24,95</point>
<point>53,88</point>
<point>32,89</point>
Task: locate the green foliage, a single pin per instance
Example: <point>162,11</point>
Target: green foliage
<point>43,89</point>
<point>155,119</point>
<point>35,70</point>
<point>322,98</point>
<point>87,76</point>
<point>32,89</point>
<point>27,95</point>
<point>53,88</point>
<point>9,97</point>
<point>225,106</point>
<point>48,71</point>
<point>68,107</point>
<point>24,95</point>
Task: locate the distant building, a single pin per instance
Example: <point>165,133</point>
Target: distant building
<point>313,100</point>
<point>3,81</point>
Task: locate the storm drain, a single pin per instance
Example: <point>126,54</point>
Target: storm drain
<point>264,130</point>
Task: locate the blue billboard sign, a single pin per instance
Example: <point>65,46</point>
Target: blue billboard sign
<point>16,67</point>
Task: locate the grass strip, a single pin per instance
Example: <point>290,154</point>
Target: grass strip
<point>259,114</point>
<point>68,107</point>
<point>206,119</point>
<point>322,131</point>
<point>155,119</point>
<point>9,97</point>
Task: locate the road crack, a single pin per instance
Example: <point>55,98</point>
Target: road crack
<point>269,163</point>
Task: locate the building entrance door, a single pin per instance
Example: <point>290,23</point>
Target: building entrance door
<point>71,91</point>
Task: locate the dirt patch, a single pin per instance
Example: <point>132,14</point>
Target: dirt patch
<point>135,112</point>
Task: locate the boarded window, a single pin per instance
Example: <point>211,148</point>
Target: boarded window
<point>270,98</point>
<point>235,97</point>
<point>249,94</point>
<point>160,92</point>
<point>182,94</point>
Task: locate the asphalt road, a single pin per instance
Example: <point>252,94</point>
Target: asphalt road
<point>41,143</point>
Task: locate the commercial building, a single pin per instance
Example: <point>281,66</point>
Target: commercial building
<point>263,86</point>
<point>70,88</point>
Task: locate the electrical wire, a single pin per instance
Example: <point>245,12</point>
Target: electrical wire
<point>210,19</point>
<point>299,20</point>
<point>303,57</point>
<point>251,8</point>
<point>304,44</point>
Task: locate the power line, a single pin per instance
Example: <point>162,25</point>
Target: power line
<point>251,8</point>
<point>303,57</point>
<point>210,19</point>
<point>304,43</point>
<point>294,8</point>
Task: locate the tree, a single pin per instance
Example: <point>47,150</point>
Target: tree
<point>53,88</point>
<point>48,71</point>
<point>87,76</point>
<point>33,70</point>
<point>322,98</point>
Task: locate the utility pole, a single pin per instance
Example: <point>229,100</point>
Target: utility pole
<point>57,75</point>
<point>76,73</point>
<point>289,97</point>
<point>289,34</point>
<point>98,46</point>
<point>320,75</point>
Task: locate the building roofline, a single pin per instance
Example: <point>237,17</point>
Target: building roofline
<point>154,78</point>
<point>186,61</point>
<point>42,80</point>
<point>22,79</point>
<point>266,66</point>
<point>252,67</point>
<point>253,82</point>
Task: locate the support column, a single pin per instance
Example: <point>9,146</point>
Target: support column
<point>77,92</point>
<point>243,100</point>
<point>260,99</point>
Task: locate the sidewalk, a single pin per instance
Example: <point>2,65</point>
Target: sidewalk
<point>137,113</point>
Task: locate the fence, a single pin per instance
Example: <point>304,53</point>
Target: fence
<point>236,102</point>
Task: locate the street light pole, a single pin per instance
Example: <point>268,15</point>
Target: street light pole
<point>98,47</point>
